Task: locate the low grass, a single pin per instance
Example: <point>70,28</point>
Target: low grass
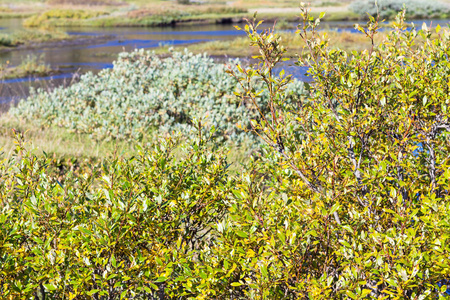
<point>415,9</point>
<point>67,152</point>
<point>31,66</point>
<point>285,3</point>
<point>50,18</point>
<point>153,18</point>
<point>294,16</point>
<point>239,47</point>
<point>6,12</point>
<point>338,9</point>
<point>113,13</point>
<point>75,152</point>
<point>57,141</point>
<point>86,2</point>
<point>157,15</point>
<point>31,36</point>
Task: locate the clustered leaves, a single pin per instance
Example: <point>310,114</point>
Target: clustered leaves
<point>348,200</point>
<point>127,230</point>
<point>369,154</point>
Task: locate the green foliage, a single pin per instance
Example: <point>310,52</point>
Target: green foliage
<point>5,40</point>
<point>359,206</point>
<point>144,93</point>
<point>348,200</point>
<point>132,228</point>
<point>389,8</point>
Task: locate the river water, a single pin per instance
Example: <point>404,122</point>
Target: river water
<point>100,52</point>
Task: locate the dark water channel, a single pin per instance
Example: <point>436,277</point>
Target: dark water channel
<point>104,45</point>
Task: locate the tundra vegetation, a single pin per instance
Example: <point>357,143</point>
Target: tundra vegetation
<point>348,197</point>
<point>26,37</point>
<point>238,47</point>
<point>144,94</point>
<point>52,14</point>
<point>31,66</point>
<point>107,13</point>
<point>414,8</point>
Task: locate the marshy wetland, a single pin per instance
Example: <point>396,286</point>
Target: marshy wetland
<point>47,44</point>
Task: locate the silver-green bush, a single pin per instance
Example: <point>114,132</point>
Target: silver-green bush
<point>144,93</point>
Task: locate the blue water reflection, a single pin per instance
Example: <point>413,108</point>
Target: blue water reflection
<point>32,79</point>
<point>106,43</point>
<point>144,43</point>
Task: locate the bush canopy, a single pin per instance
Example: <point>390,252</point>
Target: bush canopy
<point>144,94</point>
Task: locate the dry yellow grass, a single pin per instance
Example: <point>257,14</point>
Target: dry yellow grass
<point>240,46</point>
<point>58,141</point>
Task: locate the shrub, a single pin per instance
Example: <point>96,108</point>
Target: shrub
<point>5,40</point>
<point>144,93</point>
<point>131,229</point>
<point>390,8</point>
<point>357,205</point>
<point>349,199</point>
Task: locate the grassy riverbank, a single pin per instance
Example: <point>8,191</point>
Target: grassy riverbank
<point>27,37</point>
<point>104,13</point>
<point>239,47</point>
<point>109,13</point>
<point>6,12</point>
<point>31,66</point>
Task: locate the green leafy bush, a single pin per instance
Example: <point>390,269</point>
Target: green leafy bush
<point>144,93</point>
<point>358,202</point>
<point>127,230</point>
<point>348,200</point>
<point>390,8</point>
